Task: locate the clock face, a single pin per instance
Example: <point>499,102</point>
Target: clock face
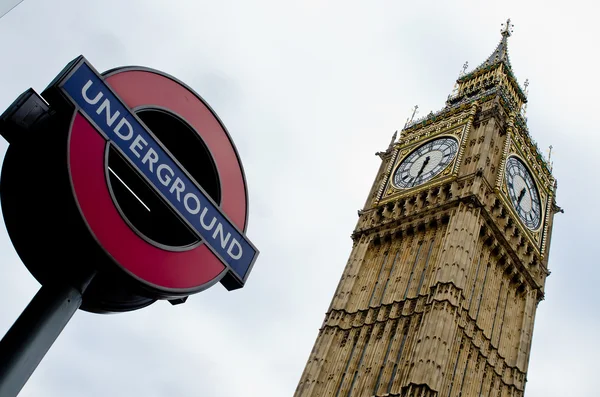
<point>425,162</point>
<point>523,193</point>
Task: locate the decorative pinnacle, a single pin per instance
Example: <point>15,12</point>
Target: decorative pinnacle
<point>463,71</point>
<point>415,111</point>
<point>393,139</point>
<point>507,28</point>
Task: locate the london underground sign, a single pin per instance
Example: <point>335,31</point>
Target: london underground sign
<point>142,192</point>
<point>119,126</point>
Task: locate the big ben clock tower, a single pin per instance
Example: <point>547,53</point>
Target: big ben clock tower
<point>450,255</point>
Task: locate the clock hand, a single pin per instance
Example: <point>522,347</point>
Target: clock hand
<point>521,195</point>
<point>416,178</point>
<point>423,166</point>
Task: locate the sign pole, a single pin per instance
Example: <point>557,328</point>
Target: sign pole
<point>34,332</point>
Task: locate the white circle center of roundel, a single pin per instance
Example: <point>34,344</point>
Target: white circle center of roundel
<point>435,158</point>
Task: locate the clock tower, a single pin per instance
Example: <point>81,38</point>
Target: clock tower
<point>449,257</point>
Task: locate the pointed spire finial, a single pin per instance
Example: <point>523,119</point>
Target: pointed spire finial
<point>464,69</point>
<point>393,139</point>
<point>415,111</point>
<point>500,54</point>
<point>409,120</point>
<point>507,28</point>
<point>526,86</point>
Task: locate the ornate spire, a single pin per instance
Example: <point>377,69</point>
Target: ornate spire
<point>500,54</point>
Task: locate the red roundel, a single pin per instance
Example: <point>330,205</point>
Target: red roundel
<point>183,270</point>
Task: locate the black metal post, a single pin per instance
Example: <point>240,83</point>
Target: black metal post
<point>34,332</point>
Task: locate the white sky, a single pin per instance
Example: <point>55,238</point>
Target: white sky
<point>310,91</point>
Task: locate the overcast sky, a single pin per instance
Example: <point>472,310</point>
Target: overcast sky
<point>309,91</point>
